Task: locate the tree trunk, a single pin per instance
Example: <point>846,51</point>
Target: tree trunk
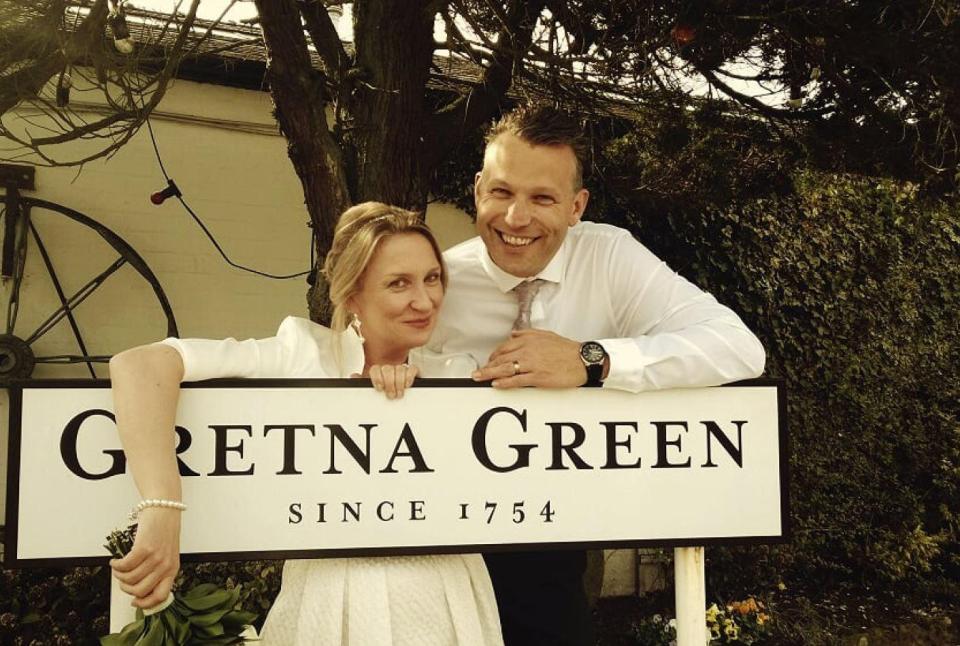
<point>394,49</point>
<point>300,109</point>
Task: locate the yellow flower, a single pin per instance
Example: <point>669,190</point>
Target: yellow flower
<point>712,613</point>
<point>731,631</point>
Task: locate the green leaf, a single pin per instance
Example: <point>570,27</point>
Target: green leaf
<point>156,634</point>
<point>127,636</point>
<point>178,627</point>
<point>213,630</point>
<point>209,618</point>
<point>206,602</point>
<point>200,590</point>
<point>235,621</point>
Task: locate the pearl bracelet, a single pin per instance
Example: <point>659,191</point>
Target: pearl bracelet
<point>156,502</point>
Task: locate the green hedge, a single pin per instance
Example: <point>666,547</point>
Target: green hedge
<point>853,285</point>
<point>53,607</point>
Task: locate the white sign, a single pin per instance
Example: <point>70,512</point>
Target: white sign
<point>285,468</point>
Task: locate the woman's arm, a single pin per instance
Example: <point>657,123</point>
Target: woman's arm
<point>146,387</point>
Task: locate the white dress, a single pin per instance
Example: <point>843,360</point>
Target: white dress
<point>437,600</point>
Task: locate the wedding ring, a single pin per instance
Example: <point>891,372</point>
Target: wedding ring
<point>516,368</point>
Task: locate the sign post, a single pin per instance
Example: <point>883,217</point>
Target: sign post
<point>690,592</point>
<point>331,468</point>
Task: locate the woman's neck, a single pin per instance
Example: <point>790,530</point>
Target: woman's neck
<point>375,356</point>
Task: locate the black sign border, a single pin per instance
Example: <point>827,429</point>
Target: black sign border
<point>16,387</point>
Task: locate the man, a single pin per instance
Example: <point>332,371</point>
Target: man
<point>542,299</point>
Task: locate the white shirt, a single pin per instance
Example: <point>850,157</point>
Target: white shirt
<point>660,330</point>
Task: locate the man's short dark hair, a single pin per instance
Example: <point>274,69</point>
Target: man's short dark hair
<point>542,125</point>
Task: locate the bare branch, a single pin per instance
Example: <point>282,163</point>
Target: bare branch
<point>324,36</point>
<point>129,93</point>
<point>756,104</point>
<point>485,99</point>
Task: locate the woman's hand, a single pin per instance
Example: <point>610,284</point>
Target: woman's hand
<point>393,380</point>
<point>147,573</point>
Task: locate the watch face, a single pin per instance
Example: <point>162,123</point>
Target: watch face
<point>592,352</point>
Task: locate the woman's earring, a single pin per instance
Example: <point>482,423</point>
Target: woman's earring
<point>356,324</point>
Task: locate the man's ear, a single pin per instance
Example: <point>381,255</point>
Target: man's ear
<point>476,191</point>
<point>579,206</point>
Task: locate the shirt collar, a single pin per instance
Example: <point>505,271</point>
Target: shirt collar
<point>553,272</point>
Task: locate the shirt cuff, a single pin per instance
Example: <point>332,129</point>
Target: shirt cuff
<point>627,365</point>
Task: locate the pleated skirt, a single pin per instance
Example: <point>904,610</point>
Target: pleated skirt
<point>435,600</point>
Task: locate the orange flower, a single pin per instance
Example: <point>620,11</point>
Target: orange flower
<point>744,607</point>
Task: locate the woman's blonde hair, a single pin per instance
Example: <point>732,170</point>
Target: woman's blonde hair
<point>358,233</point>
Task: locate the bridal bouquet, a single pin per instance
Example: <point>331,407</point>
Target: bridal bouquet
<point>205,615</point>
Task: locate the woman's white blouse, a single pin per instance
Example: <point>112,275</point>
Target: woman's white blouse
<point>430,600</point>
<point>301,348</point>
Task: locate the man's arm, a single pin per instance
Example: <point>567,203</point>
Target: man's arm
<point>671,334</point>
<point>698,342</point>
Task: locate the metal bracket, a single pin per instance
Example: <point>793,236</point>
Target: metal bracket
<point>13,177</point>
<point>17,176</point>
<point>11,218</point>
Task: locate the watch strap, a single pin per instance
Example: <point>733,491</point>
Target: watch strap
<point>594,374</point>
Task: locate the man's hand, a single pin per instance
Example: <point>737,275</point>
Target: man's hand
<point>534,358</point>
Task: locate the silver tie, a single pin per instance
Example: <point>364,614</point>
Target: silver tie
<point>526,291</point>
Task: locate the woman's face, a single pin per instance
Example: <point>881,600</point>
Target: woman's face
<point>400,294</point>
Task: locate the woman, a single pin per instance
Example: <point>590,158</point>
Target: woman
<point>387,281</point>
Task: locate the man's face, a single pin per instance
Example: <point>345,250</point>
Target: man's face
<point>526,200</point>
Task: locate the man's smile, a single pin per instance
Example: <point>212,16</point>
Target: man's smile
<point>514,241</point>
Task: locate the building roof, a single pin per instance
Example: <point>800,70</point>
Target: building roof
<point>234,54</point>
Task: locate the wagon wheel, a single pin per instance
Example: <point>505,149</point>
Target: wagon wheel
<point>22,345</point>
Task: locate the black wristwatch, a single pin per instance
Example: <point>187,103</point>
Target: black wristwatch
<point>593,356</point>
